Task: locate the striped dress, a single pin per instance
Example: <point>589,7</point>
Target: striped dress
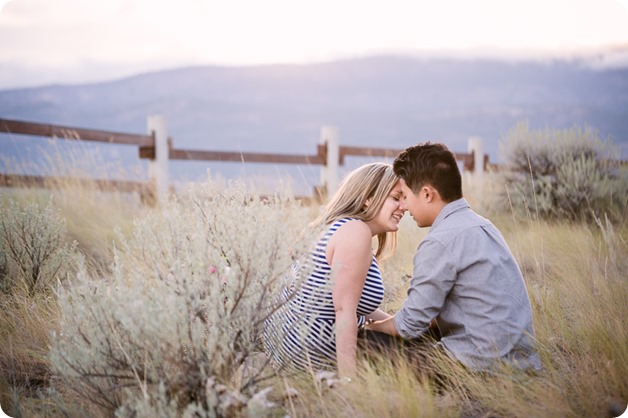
<point>301,332</point>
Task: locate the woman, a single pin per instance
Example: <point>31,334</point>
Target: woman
<point>339,286</point>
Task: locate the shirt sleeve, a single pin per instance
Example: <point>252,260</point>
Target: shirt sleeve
<point>433,277</point>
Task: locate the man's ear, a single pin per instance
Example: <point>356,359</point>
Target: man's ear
<point>429,193</point>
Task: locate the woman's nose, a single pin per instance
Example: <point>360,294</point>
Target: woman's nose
<point>402,205</point>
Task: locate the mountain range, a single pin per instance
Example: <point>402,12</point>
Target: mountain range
<point>384,101</point>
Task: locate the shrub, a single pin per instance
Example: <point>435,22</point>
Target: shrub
<point>35,252</point>
<point>569,173</point>
<point>174,330</point>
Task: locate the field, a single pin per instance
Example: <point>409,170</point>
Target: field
<point>154,311</point>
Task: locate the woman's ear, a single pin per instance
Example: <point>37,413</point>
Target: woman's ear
<point>367,203</point>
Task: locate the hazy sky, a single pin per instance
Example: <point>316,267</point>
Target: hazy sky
<point>44,41</point>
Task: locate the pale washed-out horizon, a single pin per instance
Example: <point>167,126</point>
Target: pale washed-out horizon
<point>86,41</point>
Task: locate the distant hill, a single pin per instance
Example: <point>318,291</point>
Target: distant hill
<point>377,102</point>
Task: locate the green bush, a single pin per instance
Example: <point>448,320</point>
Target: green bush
<point>569,174</point>
<point>174,331</point>
<point>35,253</point>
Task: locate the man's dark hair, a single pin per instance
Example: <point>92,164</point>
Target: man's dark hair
<point>431,164</point>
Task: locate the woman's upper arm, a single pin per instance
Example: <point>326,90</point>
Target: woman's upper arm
<point>349,253</point>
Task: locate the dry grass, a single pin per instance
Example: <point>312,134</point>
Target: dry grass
<point>576,275</point>
<point>24,329</point>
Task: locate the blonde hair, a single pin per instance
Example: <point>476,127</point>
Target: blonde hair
<point>361,195</point>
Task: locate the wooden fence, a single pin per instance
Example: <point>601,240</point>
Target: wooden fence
<point>157,147</point>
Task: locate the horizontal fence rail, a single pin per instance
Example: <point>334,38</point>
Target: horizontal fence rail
<point>231,156</point>
<point>467,159</point>
<point>15,180</point>
<point>367,152</point>
<point>65,132</point>
<point>157,147</point>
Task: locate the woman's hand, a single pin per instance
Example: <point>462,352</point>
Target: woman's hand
<point>387,326</point>
<point>377,315</point>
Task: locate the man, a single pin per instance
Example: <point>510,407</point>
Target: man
<point>465,278</point>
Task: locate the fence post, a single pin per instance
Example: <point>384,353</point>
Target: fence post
<point>329,172</point>
<point>476,147</point>
<point>158,166</point>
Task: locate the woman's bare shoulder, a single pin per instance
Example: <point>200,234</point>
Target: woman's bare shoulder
<point>353,233</point>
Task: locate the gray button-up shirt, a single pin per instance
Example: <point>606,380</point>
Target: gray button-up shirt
<point>466,277</point>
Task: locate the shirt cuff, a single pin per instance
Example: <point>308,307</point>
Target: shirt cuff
<point>404,325</point>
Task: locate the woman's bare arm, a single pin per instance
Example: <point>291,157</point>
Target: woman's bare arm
<point>349,254</point>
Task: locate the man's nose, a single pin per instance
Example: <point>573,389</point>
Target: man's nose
<point>402,205</point>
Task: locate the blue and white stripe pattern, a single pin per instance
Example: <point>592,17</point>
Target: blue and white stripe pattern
<point>301,333</point>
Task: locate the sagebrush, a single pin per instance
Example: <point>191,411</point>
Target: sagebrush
<point>564,174</point>
<point>174,330</point>
<point>35,252</point>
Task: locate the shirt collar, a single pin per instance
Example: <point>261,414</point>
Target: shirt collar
<point>450,208</point>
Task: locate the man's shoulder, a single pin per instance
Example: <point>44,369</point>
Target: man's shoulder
<point>458,224</point>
